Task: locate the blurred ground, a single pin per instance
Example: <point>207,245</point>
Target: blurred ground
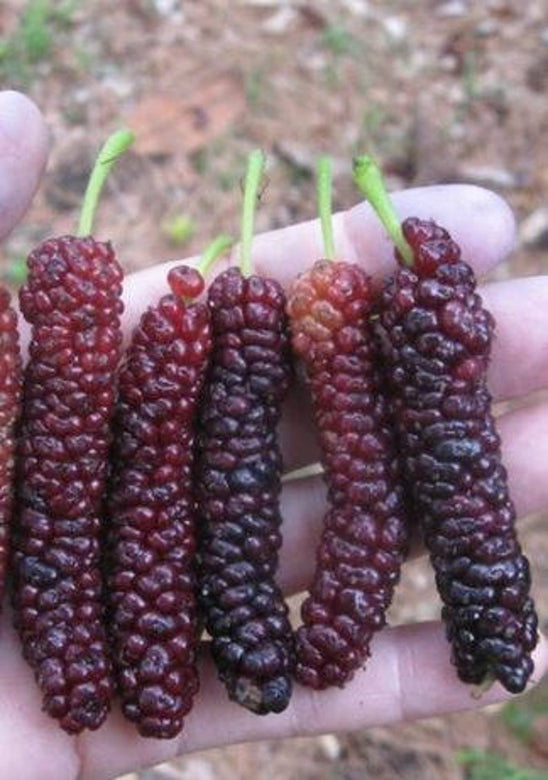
<point>439,91</point>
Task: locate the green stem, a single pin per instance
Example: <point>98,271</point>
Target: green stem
<point>486,685</point>
<point>254,174</point>
<point>325,209</point>
<point>118,143</point>
<point>219,246</point>
<point>368,178</point>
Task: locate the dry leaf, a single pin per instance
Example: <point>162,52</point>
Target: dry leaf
<point>165,124</point>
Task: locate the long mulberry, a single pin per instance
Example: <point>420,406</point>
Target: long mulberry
<point>151,579</point>
<point>238,485</point>
<point>11,376</point>
<point>72,299</point>
<point>364,538</point>
<point>436,339</point>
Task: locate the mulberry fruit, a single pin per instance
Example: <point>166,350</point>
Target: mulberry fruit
<point>364,539</point>
<point>436,342</point>
<point>73,301</point>
<point>151,548</point>
<point>436,339</point>
<point>238,484</point>
<point>238,479</point>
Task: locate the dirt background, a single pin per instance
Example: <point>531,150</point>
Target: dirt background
<point>439,91</point>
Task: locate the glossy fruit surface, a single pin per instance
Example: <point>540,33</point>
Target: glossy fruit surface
<point>364,538</point>
<point>436,339</point>
<point>152,540</point>
<point>72,299</point>
<point>238,486</point>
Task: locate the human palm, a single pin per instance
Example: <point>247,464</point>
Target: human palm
<point>409,674</point>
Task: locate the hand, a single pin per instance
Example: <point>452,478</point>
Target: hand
<point>409,674</point>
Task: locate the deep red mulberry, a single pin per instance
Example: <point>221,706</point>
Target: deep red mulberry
<point>436,339</point>
<point>238,486</point>
<point>73,301</point>
<point>11,376</point>
<point>153,621</point>
<point>364,539</point>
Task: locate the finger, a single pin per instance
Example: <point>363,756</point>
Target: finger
<point>524,434</point>
<point>408,676</point>
<point>519,362</point>
<point>23,151</point>
<point>477,219</point>
<point>480,221</point>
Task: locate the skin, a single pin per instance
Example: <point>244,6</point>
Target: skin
<point>409,674</point>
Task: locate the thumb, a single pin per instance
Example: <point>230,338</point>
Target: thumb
<point>23,153</point>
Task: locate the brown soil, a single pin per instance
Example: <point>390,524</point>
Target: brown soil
<point>439,91</point>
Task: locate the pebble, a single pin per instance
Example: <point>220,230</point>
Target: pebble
<point>487,27</point>
<point>396,28</point>
<point>267,3</point>
<point>187,769</point>
<point>304,157</point>
<point>197,769</point>
<point>169,8</point>
<point>330,746</point>
<point>357,7</point>
<point>280,21</point>
<point>533,231</point>
<point>121,86</point>
<point>487,176</point>
<point>453,8</point>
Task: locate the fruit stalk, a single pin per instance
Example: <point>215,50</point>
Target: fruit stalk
<point>364,538</point>
<point>238,475</point>
<point>436,339</point>
<point>72,299</point>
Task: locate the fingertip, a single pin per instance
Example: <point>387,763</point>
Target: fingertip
<point>24,142</point>
<point>479,220</point>
<point>540,658</point>
<point>18,114</point>
<point>495,229</point>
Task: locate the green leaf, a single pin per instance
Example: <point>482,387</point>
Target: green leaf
<point>178,229</point>
<point>519,719</point>
<point>485,765</point>
<point>35,33</point>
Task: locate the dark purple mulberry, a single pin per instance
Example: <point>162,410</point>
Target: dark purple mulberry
<point>11,377</point>
<point>153,621</point>
<point>436,339</point>
<point>364,539</point>
<point>238,484</point>
<point>73,301</point>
